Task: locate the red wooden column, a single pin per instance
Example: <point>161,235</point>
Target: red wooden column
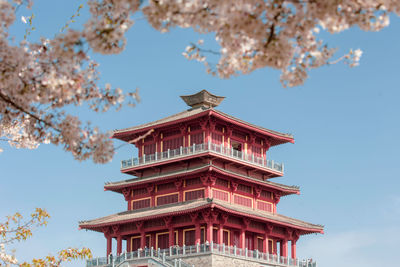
<point>109,245</point>
<point>142,239</point>
<point>293,254</point>
<point>128,244</point>
<point>209,231</point>
<point>119,244</point>
<point>171,236</point>
<point>284,248</point>
<point>223,220</point>
<point>197,233</point>
<point>295,236</point>
<point>197,230</point>
<point>220,234</point>
<point>242,238</point>
<point>265,248</point>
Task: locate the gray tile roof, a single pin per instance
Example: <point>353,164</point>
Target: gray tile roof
<point>193,112</point>
<point>114,186</point>
<point>189,206</point>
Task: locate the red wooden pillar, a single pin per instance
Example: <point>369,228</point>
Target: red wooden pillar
<point>197,233</point>
<point>142,239</point>
<point>119,244</point>
<point>209,232</point>
<point>128,244</point>
<point>265,247</point>
<point>293,249</point>
<point>242,238</point>
<point>171,237</point>
<point>220,235</point>
<point>284,248</point>
<point>109,245</point>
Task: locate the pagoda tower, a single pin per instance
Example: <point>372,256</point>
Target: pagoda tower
<point>203,178</point>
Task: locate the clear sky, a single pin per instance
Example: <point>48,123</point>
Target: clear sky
<point>345,159</point>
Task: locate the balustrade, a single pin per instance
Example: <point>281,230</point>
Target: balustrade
<point>201,148</point>
<point>173,256</point>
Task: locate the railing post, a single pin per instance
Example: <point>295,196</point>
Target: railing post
<point>234,250</point>
<point>138,253</point>
<point>175,265</point>
<point>211,246</point>
<point>245,252</point>
<point>168,153</point>
<point>163,257</point>
<point>223,248</point>
<point>181,150</point>
<point>126,255</point>
<point>194,147</point>
<point>155,155</point>
<point>179,262</point>
<point>257,253</point>
<point>170,251</point>
<point>151,252</point>
<point>97,262</point>
<point>197,248</point>
<point>183,249</point>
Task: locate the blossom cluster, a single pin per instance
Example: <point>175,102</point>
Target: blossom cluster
<point>40,79</point>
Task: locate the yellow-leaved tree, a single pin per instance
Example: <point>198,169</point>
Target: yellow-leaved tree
<point>16,228</point>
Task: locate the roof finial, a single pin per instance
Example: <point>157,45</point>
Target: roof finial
<point>202,99</point>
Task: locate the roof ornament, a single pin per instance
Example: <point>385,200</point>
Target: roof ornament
<point>202,99</point>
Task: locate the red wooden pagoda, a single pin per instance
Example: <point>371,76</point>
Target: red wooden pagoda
<point>202,176</point>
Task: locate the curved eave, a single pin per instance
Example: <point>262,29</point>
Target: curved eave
<point>210,204</point>
<point>279,138</point>
<point>140,181</point>
<point>209,167</point>
<point>120,134</point>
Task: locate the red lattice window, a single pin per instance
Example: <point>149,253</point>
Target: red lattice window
<point>264,206</point>
<point>196,138</point>
<point>244,188</point>
<point>221,195</point>
<point>172,143</point>
<point>243,201</point>
<point>194,194</point>
<point>163,200</point>
<point>140,204</point>
<point>135,243</point>
<point>190,237</point>
<point>216,138</point>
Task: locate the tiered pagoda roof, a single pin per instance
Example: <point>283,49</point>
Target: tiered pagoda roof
<point>196,205</point>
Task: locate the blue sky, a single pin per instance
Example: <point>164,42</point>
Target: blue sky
<point>344,120</point>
